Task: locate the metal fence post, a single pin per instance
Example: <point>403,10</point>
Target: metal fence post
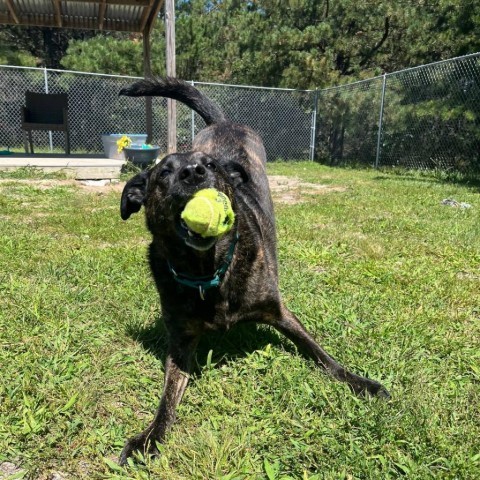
<point>192,117</point>
<point>380,120</point>
<point>313,128</point>
<point>45,77</point>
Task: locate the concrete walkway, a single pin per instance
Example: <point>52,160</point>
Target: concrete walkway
<point>73,166</point>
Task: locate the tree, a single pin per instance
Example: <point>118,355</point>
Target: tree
<point>312,43</point>
<point>288,43</point>
<point>43,46</point>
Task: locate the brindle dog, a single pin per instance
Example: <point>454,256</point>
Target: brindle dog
<point>212,283</point>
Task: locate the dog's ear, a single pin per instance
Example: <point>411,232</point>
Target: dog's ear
<point>133,195</point>
<point>237,173</point>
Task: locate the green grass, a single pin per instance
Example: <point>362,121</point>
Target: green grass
<point>384,276</point>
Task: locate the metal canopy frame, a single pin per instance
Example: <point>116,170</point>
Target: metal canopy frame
<point>114,15</point>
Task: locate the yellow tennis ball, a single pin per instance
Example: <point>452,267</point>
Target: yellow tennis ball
<point>209,213</point>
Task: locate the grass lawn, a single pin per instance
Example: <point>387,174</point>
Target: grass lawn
<point>386,277</point>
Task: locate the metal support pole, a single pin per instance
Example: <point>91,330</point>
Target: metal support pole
<point>313,128</point>
<point>45,77</point>
<point>147,73</point>
<point>171,72</point>
<point>192,117</point>
<point>380,121</point>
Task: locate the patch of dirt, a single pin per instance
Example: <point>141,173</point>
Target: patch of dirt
<point>292,190</point>
<point>468,275</point>
<point>100,186</point>
<point>91,186</point>
<point>7,469</point>
<point>40,184</point>
<point>284,189</point>
<point>53,476</point>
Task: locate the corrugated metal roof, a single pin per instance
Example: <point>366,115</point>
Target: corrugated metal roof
<point>120,15</point>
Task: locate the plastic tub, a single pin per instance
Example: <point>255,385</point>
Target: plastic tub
<point>110,146</point>
<point>142,156</point>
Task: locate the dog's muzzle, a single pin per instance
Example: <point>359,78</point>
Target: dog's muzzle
<point>193,174</point>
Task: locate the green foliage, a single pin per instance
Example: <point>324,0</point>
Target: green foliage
<point>379,271</point>
<point>18,57</point>
<point>37,46</point>
<point>14,56</point>
<point>311,44</point>
<point>295,43</point>
<point>123,56</point>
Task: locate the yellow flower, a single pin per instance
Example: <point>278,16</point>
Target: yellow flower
<point>123,142</point>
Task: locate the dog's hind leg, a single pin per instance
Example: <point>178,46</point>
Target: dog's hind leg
<point>177,368</point>
<point>287,323</point>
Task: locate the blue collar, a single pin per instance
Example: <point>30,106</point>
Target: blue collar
<point>206,282</point>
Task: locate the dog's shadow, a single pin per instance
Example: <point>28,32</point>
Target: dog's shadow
<point>240,341</point>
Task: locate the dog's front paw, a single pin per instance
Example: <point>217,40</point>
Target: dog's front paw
<point>143,443</point>
<point>366,386</point>
<point>375,389</point>
<point>378,390</point>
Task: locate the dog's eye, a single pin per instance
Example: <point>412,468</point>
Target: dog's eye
<point>211,166</point>
<point>165,173</point>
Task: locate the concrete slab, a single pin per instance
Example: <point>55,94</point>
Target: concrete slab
<point>80,168</point>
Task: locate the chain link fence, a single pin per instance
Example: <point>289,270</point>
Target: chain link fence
<point>423,117</point>
<point>347,123</point>
<point>432,116</point>
<point>95,108</point>
<point>282,117</point>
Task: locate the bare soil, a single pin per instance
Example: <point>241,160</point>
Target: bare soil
<point>289,190</point>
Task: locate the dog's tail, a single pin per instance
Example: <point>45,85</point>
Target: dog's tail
<point>177,90</point>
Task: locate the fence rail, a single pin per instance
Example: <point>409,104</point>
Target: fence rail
<point>422,117</point>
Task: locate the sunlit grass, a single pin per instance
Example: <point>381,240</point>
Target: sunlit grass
<point>386,278</point>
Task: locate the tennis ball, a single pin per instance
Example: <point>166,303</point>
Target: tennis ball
<point>209,213</point>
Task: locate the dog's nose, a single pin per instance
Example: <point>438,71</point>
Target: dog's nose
<point>192,174</point>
